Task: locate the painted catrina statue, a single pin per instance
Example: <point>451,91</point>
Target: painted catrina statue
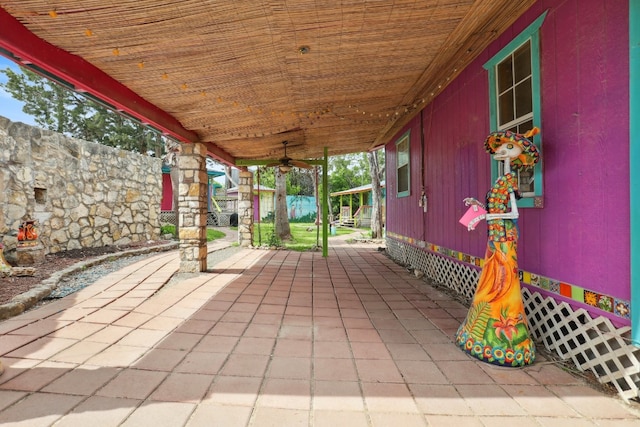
<point>495,329</point>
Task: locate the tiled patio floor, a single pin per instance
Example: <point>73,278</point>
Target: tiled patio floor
<point>273,338</point>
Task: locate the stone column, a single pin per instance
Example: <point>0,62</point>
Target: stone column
<point>192,207</point>
<point>245,208</point>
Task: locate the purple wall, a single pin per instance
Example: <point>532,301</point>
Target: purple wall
<point>581,236</point>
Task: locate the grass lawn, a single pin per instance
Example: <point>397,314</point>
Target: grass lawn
<point>305,236</point>
<point>211,233</point>
<point>214,234</point>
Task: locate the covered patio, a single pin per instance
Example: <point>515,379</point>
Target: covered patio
<point>234,81</point>
<point>265,338</point>
<point>273,338</point>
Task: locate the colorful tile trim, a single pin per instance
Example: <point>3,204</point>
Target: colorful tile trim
<point>618,307</point>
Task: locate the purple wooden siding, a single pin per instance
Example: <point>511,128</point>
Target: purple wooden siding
<point>581,236</point>
<point>406,224</point>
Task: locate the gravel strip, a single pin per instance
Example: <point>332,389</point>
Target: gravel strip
<point>80,280</point>
<point>90,275</point>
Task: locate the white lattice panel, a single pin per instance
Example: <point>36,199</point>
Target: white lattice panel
<point>168,217</point>
<point>594,345</point>
<point>213,219</point>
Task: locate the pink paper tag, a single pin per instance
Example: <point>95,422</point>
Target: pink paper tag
<point>472,216</point>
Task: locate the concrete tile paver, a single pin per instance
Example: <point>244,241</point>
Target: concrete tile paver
<point>234,391</point>
<point>273,338</point>
<point>437,399</point>
<point>37,377</point>
<point>84,380</point>
<point>39,409</point>
<point>8,398</point>
<point>220,415</point>
<point>182,387</point>
<point>133,384</point>
<point>338,396</point>
<point>98,411</point>
<point>327,418</point>
<point>161,414</point>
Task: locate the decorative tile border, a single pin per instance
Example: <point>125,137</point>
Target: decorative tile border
<point>614,306</point>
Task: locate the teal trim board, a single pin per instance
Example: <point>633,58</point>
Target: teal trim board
<point>530,33</point>
<point>634,169</point>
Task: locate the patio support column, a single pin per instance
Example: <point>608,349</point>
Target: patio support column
<point>325,203</point>
<point>192,203</point>
<point>245,208</point>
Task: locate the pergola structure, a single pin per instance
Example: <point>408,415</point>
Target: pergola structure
<point>235,79</point>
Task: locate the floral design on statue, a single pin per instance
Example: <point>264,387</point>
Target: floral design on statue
<point>495,329</point>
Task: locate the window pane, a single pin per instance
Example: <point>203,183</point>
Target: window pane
<point>402,165</point>
<point>524,127</point>
<point>505,75</point>
<point>403,152</point>
<point>522,62</point>
<point>403,179</point>
<point>523,98</point>
<point>505,107</point>
<point>514,105</point>
<point>525,181</point>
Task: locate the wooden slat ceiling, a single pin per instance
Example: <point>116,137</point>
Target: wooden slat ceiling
<point>233,72</point>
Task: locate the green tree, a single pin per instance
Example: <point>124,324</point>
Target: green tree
<point>55,107</point>
<point>282,228</point>
<point>376,174</point>
<point>345,172</point>
<point>296,182</point>
<point>299,181</point>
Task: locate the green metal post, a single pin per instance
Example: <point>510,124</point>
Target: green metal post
<point>325,204</point>
<point>350,205</point>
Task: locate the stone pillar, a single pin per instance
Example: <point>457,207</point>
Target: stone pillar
<point>192,207</point>
<point>245,208</point>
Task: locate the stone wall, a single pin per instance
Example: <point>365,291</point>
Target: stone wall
<point>192,208</point>
<point>80,193</point>
<point>245,208</point>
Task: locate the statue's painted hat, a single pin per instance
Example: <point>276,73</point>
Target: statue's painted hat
<point>530,154</point>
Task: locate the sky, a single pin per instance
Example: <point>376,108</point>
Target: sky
<point>9,107</point>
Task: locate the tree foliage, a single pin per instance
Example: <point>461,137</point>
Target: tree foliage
<point>57,108</point>
<point>350,171</point>
<point>299,181</point>
<point>345,172</point>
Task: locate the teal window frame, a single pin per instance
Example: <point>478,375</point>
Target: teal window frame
<point>406,136</point>
<point>531,34</point>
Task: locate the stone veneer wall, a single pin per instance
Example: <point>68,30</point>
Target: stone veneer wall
<point>82,194</point>
<point>245,208</point>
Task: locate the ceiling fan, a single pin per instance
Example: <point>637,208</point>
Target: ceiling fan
<point>286,163</point>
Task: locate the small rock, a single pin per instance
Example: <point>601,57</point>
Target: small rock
<point>23,271</point>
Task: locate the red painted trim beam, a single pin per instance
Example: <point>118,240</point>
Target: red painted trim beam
<point>17,39</point>
<point>218,153</point>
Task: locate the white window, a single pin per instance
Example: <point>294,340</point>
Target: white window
<point>514,85</point>
<point>403,172</point>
